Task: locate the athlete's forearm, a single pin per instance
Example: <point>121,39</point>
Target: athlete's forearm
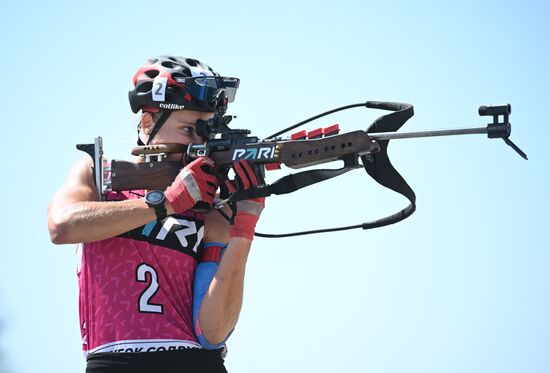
<point>87,221</point>
<point>221,305</point>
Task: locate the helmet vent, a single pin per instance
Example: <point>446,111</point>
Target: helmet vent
<point>171,65</point>
<point>192,62</point>
<point>185,73</point>
<point>144,87</point>
<point>151,73</point>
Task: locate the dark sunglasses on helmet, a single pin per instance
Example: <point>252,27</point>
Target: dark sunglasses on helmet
<point>206,88</point>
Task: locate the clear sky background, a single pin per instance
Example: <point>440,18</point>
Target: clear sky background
<point>461,286</point>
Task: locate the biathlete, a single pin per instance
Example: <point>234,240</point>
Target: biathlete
<point>160,283</point>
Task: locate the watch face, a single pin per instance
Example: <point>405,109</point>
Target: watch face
<point>154,197</point>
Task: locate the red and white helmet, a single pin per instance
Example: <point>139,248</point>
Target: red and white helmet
<point>176,83</point>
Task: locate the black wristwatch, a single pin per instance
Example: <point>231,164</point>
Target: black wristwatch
<point>155,199</point>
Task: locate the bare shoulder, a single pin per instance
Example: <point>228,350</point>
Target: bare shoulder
<point>79,184</point>
<point>81,176</point>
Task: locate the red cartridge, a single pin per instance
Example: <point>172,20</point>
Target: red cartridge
<point>332,130</point>
<point>315,134</point>
<point>299,135</point>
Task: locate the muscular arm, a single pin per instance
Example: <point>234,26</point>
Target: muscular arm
<point>221,305</point>
<point>75,215</point>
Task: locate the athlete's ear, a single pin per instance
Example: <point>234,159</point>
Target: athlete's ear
<point>147,122</point>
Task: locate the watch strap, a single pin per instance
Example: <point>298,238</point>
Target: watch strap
<point>160,210</point>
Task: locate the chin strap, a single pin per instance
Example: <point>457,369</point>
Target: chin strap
<point>158,125</point>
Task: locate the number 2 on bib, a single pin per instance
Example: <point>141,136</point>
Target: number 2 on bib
<point>143,304</point>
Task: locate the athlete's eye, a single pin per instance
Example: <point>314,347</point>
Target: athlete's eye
<point>189,131</point>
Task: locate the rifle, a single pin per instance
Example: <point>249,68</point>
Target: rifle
<point>357,149</point>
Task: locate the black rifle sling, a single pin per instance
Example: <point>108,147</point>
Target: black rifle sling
<point>378,165</point>
<point>291,183</point>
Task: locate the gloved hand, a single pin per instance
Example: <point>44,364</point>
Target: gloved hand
<point>194,183</point>
<point>248,211</point>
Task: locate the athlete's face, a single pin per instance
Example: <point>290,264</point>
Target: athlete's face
<point>180,128</point>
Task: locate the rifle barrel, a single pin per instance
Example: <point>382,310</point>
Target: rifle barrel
<point>432,133</point>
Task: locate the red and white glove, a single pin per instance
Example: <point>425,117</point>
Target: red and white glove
<point>248,211</point>
<point>193,184</point>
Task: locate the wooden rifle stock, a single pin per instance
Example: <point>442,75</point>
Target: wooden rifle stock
<point>304,153</point>
<point>292,153</point>
<point>137,176</point>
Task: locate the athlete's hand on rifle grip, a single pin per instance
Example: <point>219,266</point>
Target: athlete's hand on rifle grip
<point>248,211</point>
<point>195,183</point>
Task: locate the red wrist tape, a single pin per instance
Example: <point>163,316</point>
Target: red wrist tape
<point>243,226</point>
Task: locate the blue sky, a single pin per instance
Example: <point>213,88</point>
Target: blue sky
<point>460,286</point>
